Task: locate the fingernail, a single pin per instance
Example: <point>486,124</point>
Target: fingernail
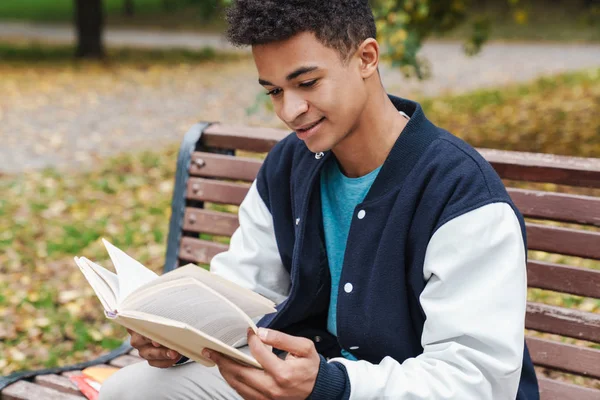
<point>206,353</point>
<point>155,344</point>
<point>262,333</point>
<point>171,354</point>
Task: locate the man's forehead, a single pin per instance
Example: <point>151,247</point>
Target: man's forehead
<point>285,56</point>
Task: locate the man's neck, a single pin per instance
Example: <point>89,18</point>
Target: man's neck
<point>372,139</point>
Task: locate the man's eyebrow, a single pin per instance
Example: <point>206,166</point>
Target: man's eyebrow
<point>264,83</point>
<point>300,71</point>
<point>293,75</point>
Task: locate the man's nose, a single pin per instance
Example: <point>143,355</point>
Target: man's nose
<point>292,107</point>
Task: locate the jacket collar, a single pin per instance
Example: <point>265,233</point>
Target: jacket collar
<point>417,135</point>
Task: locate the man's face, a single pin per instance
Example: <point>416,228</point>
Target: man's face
<point>313,91</point>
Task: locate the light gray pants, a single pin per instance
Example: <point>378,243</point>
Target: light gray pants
<point>188,381</point>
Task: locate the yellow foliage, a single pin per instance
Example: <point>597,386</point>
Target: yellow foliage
<point>556,115</point>
<point>521,17</point>
<point>398,37</point>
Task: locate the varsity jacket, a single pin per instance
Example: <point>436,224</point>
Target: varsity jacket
<point>433,288</point>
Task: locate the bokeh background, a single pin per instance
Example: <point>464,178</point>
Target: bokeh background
<point>95,96</point>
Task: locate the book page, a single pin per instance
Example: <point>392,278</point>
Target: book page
<point>107,276</point>
<point>130,273</point>
<point>105,292</point>
<point>196,305</point>
<point>181,338</point>
<point>252,304</point>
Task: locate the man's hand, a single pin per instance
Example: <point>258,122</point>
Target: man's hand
<point>156,355</point>
<point>292,378</point>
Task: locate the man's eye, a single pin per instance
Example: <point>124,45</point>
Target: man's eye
<point>273,92</point>
<point>309,83</point>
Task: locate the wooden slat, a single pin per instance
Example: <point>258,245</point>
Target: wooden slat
<point>565,357</point>
<point>538,167</point>
<point>224,136</point>
<point>562,321</point>
<point>57,382</point>
<point>557,206</point>
<point>224,167</point>
<point>566,241</point>
<point>534,167</point>
<point>199,251</point>
<point>24,390</point>
<point>563,278</point>
<point>216,191</point>
<point>211,222</point>
<point>125,360</point>
<point>551,389</point>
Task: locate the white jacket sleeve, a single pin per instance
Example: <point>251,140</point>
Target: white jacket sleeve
<point>474,301</point>
<point>253,259</point>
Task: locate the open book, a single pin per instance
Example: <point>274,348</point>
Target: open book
<point>187,309</point>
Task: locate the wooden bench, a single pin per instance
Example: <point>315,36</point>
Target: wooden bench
<point>218,162</point>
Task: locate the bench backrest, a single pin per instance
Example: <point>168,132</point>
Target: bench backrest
<point>218,162</point>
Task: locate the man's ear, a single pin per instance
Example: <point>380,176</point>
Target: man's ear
<point>368,56</point>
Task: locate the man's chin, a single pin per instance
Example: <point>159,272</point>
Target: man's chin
<point>316,146</point>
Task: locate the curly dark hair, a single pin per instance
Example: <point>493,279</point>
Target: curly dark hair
<point>339,24</point>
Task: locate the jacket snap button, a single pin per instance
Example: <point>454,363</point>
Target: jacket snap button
<point>297,221</point>
<point>361,214</point>
<point>319,155</point>
<point>317,339</point>
<point>348,287</point>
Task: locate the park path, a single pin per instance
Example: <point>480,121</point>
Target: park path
<point>76,117</point>
<point>114,36</point>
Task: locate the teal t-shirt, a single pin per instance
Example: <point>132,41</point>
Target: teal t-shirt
<point>339,196</point>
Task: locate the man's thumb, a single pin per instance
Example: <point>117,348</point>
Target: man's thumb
<point>298,346</point>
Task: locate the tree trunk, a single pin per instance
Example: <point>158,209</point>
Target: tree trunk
<point>168,5</point>
<point>128,8</point>
<point>89,21</point>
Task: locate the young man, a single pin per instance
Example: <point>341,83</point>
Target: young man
<point>395,254</point>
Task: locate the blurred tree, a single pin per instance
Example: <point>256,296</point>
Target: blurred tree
<point>208,9</point>
<point>128,8</point>
<point>403,25</point>
<point>89,22</point>
<point>169,5</point>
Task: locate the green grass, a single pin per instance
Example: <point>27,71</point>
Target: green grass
<point>62,10</point>
<point>19,52</point>
<point>147,13</point>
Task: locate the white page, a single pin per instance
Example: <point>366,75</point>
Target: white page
<point>104,292</point>
<point>131,273</point>
<point>196,305</point>
<point>251,303</point>
<point>109,277</point>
